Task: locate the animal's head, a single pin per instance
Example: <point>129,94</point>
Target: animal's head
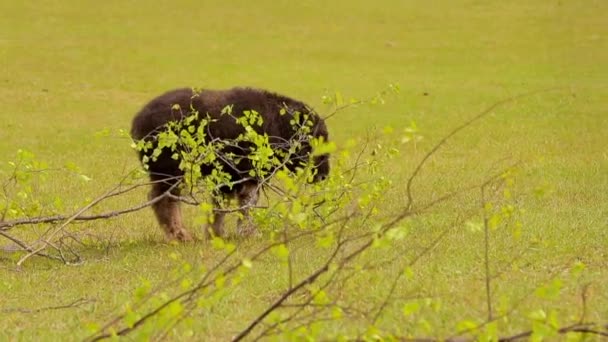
<point>320,162</point>
<point>307,125</point>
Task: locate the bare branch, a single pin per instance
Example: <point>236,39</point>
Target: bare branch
<point>7,225</point>
<point>74,304</point>
<point>584,328</point>
<point>455,131</point>
<point>75,216</point>
<point>486,231</point>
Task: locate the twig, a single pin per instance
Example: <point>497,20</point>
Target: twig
<point>584,303</point>
<point>308,280</point>
<point>466,124</point>
<point>583,328</point>
<point>486,230</point>
<point>4,226</point>
<point>87,207</point>
<point>73,304</point>
<point>25,247</point>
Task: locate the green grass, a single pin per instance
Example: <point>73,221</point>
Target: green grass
<point>70,69</point>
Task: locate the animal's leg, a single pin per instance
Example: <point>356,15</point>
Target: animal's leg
<point>247,198</point>
<point>168,213</point>
<point>217,226</point>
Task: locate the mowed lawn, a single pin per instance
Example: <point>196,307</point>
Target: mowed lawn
<point>70,69</point>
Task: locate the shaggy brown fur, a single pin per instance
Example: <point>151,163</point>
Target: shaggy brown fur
<point>164,171</point>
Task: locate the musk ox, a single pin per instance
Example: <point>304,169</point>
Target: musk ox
<point>281,122</point>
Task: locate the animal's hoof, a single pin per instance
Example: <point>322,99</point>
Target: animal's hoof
<point>181,236</point>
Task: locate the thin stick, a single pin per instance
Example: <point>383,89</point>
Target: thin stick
<point>486,230</point>
<point>87,207</point>
<point>466,124</point>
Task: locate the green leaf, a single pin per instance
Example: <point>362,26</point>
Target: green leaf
<point>93,327</point>
<point>186,283</point>
<point>336,313</point>
<point>425,325</point>
<point>395,88</point>
<point>466,325</point>
<point>320,298</point>
<point>541,332</point>
<point>578,268</point>
<point>538,315</point>
<point>494,221</point>
<point>220,281</point>
<point>474,227</point>
<point>339,99</point>
<point>130,318</point>
<point>490,332</point>
<point>143,290</point>
<point>175,308</point>
<point>71,166</point>
<point>397,233</point>
<point>227,109</point>
<point>373,333</point>
<point>247,263</point>
<point>281,251</point>
<point>324,148</point>
<point>325,241</point>
<point>553,320</point>
<point>410,308</point>
<point>550,291</point>
<point>409,273</point>
<point>85,178</point>
<point>217,243</point>
<point>230,247</point>
<point>298,218</point>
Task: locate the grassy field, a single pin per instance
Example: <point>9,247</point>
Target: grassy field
<point>70,69</point>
